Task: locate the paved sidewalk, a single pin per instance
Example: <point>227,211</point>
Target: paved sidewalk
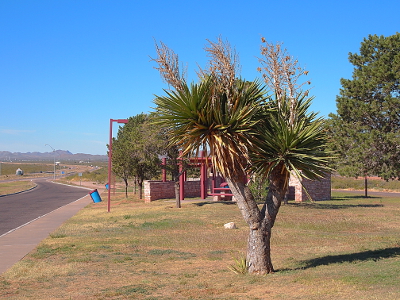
<point>16,244</point>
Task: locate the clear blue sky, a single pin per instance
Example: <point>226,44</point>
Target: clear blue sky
<point>68,66</point>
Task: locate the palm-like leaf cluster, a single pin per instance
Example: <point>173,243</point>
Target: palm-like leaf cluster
<point>202,117</point>
<point>297,146</point>
<point>244,131</point>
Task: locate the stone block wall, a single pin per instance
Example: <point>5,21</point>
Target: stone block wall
<point>154,190</point>
<point>318,190</point>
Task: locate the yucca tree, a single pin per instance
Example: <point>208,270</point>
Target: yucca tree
<point>201,117</point>
<point>245,133</point>
<point>285,145</point>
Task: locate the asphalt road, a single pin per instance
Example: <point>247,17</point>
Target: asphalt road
<point>19,209</point>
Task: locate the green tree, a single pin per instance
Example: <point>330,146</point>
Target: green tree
<point>244,132</point>
<point>122,164</point>
<point>365,130</point>
<point>137,151</point>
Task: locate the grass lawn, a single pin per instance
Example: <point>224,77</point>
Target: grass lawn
<point>346,248</point>
<point>15,187</point>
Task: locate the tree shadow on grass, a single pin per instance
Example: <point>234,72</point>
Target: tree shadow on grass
<point>333,206</point>
<point>373,255</point>
<point>305,205</point>
<point>346,198</point>
<point>215,202</point>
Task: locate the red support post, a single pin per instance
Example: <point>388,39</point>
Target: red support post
<point>203,180</point>
<point>109,167</point>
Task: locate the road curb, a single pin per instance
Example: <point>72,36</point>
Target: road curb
<point>76,186</point>
<point>20,191</point>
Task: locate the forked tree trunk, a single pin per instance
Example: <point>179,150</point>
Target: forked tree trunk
<point>259,250</point>
<point>260,221</point>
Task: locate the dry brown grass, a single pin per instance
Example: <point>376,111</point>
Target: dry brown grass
<point>7,188</point>
<point>343,249</point>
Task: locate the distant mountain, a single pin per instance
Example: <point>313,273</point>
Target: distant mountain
<point>60,155</point>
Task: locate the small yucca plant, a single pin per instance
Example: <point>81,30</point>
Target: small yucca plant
<point>240,265</point>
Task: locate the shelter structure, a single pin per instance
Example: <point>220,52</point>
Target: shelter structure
<point>212,184</point>
<point>209,184</point>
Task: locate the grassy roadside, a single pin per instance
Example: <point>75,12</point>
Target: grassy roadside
<point>374,184</point>
<point>40,170</point>
<point>15,187</point>
<point>346,248</point>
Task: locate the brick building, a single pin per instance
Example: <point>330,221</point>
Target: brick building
<point>317,189</point>
<point>154,189</point>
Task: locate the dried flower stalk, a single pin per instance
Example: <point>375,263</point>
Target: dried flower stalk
<point>168,66</point>
<point>281,73</point>
<point>223,64</point>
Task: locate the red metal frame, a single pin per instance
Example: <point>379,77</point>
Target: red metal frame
<point>204,163</point>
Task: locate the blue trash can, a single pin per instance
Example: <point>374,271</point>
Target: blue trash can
<point>107,186</point>
<point>95,196</point>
